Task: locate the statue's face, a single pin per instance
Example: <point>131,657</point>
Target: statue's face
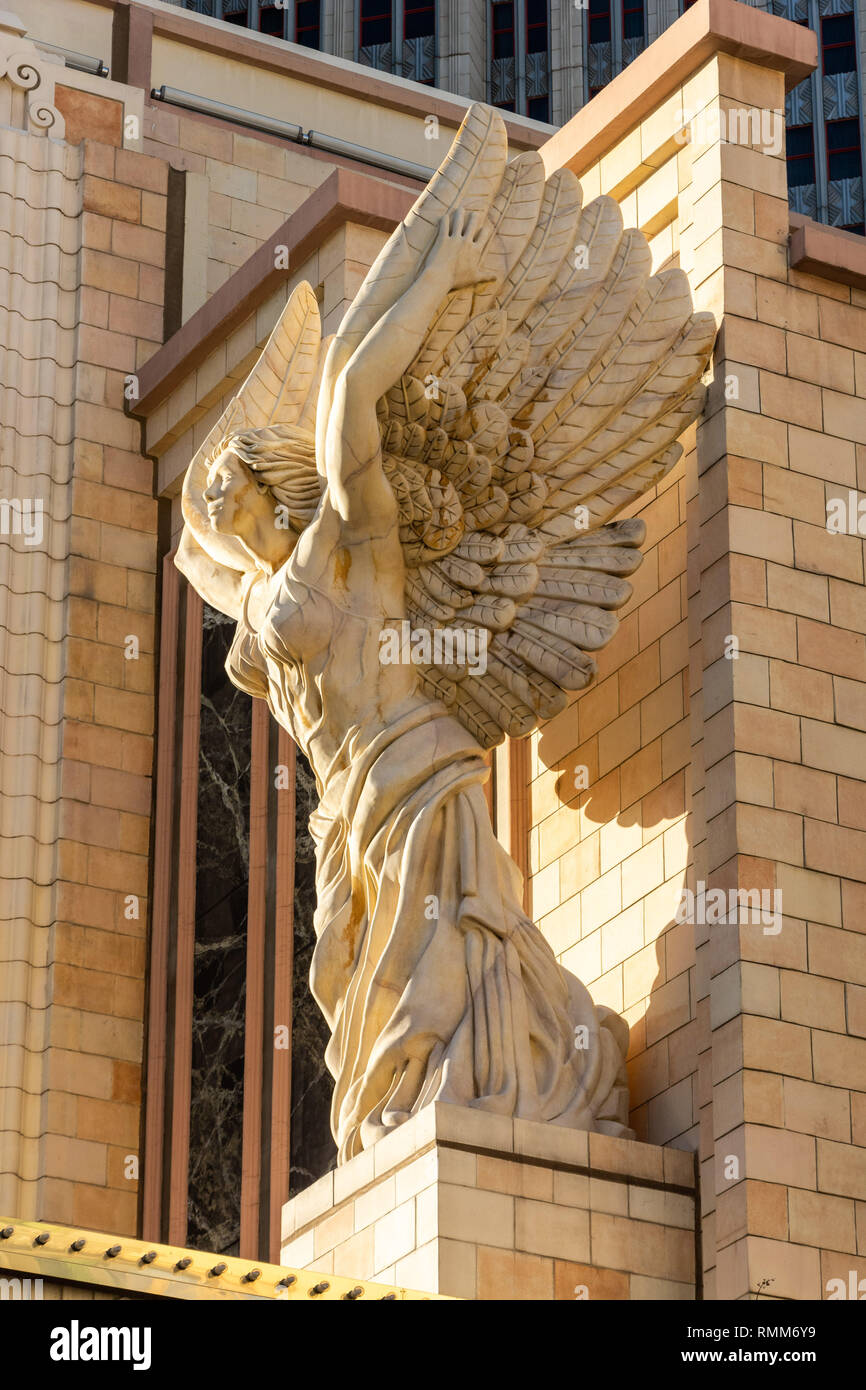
<point>232,496</point>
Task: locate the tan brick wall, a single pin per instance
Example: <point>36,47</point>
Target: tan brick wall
<point>744,773</point>
<point>240,189</point>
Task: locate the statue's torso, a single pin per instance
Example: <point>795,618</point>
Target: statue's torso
<point>312,631</point>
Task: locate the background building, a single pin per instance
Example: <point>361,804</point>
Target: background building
<point>169,179</point>
<point>547,58</point>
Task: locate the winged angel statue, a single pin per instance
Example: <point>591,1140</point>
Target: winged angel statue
<point>507,380</point>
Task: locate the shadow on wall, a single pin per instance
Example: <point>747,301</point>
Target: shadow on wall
<point>624,784</point>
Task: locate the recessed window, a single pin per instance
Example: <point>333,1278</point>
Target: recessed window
<point>843,150</point>
<point>503,30</point>
<point>375,23</point>
<point>419,20</point>
<point>272,21</point>
<point>632,19</point>
<point>838,44</point>
<point>800,151</point>
<point>307,21</point>
<point>599,21</point>
<point>536,26</point>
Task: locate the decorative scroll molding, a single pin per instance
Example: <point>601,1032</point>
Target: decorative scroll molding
<point>22,65</point>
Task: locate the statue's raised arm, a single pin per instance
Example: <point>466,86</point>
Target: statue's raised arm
<point>414,527</point>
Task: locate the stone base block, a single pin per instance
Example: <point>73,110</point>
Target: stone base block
<point>481,1206</point>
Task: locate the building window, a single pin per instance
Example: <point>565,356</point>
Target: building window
<point>838,45</point>
<point>399,37</point>
<point>843,150</point>
<point>519,61</point>
<point>299,20</point>
<point>308,23</point>
<point>823,118</point>
<point>375,22</point>
<point>632,19</point>
<point>419,20</point>
<point>236,12</point>
<point>800,150</point>
<point>272,19</point>
<point>615,35</point>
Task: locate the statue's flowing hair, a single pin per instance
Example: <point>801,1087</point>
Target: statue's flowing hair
<point>283,457</point>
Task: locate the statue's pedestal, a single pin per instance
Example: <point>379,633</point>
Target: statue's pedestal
<point>481,1206</point>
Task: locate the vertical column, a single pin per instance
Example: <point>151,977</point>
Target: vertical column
<point>185,932</point>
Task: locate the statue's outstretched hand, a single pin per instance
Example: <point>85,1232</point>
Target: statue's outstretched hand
<point>458,251</point>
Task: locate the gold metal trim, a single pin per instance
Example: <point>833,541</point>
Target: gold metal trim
<point>158,1276</point>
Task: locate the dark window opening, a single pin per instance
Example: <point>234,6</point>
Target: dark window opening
<point>419,20</point>
<point>375,23</point>
<point>536,26</point>
<point>800,152</point>
<point>272,21</point>
<point>632,19</point>
<point>599,22</point>
<point>307,19</point>
<point>843,150</point>
<point>838,44</point>
<point>503,31</point>
<point>538,108</point>
<point>238,17</point>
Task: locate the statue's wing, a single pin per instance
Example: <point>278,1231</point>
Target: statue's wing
<point>281,389</point>
<point>541,405</point>
<point>469,176</point>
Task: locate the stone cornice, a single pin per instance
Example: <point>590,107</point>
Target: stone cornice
<point>707,28</point>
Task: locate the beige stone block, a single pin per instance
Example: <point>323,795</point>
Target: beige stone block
<point>642,1247</point>
<point>805,791</point>
<point>457,1268</point>
<point>844,415</point>
<point>556,1143</point>
<point>834,849</point>
<point>669,1009</point>
<point>794,1269</point>
<point>427,1214</point>
<point>813,1001</point>
<point>610,1197</point>
<point>313,1202</point>
<point>333,1230</point>
<point>824,552</point>
<point>394,1235</point>
<point>625,1156</point>
<point>820,1220</point>
<point>419,1269</point>
<point>822,456</point>
<point>664,1208</point>
<point>832,747</point>
<point>371,1205</point>
<point>544,1229</point>
<point>354,1257</point>
<point>786,1044</point>
<point>840,1061</point>
<point>855,1000</point>
<point>350,1177</point>
<point>485,1218</point>
<point>299,1252</point>
<point>817,1109</point>
<point>418,1174</point>
<point>780,1156</point>
<point>795,592</point>
<point>518,1179</point>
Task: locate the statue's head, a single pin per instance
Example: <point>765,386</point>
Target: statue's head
<point>263,488</point>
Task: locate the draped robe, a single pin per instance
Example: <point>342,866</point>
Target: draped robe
<point>434,982</point>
